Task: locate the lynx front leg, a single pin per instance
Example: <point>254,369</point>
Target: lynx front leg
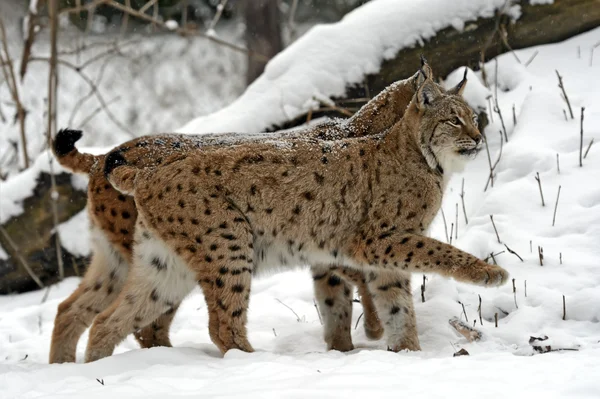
<point>393,298</point>
<point>415,253</point>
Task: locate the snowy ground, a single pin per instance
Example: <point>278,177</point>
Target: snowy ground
<point>291,360</point>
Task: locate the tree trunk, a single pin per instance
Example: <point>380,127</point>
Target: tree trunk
<point>29,236</point>
<point>263,33</point>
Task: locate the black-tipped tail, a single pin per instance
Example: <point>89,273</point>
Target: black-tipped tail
<point>65,140</point>
<point>113,160</point>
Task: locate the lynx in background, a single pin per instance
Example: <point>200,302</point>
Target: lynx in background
<point>113,217</point>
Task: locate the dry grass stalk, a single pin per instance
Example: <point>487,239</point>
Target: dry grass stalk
<point>515,293</point>
<point>462,199</point>
<point>564,308</point>
<point>537,177</point>
<point>541,255</point>
<point>513,252</point>
<point>581,139</point>
<point>479,311</point>
<point>445,226</point>
<point>464,311</point>
<point>556,206</point>
<point>493,168</point>
<point>495,229</point>
<point>558,163</point>
<point>588,148</point>
<point>456,223</point>
<point>565,97</point>
<point>319,313</point>
<point>423,289</point>
<point>496,319</point>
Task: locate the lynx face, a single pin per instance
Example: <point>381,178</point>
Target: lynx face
<point>448,129</point>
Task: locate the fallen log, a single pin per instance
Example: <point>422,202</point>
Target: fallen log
<point>29,238</point>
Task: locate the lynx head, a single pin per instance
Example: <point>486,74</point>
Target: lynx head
<point>448,133</point>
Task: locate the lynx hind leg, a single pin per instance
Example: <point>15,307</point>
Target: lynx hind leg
<point>222,255</point>
<point>157,333</point>
<point>334,300</point>
<point>372,325</point>
<point>101,284</point>
<point>158,281</point>
<point>392,295</point>
<point>371,322</point>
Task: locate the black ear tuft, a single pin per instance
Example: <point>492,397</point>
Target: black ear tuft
<point>112,161</point>
<point>65,140</point>
<point>423,60</point>
<point>465,75</point>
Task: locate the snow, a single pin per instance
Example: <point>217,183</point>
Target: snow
<point>291,360</point>
<point>75,234</point>
<point>316,66</point>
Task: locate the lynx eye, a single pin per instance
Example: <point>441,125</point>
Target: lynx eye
<point>454,122</point>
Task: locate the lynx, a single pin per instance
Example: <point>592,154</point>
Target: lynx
<point>363,204</point>
<point>113,217</point>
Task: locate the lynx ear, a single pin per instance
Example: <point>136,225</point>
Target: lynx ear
<point>460,87</point>
<point>427,93</point>
<point>425,72</point>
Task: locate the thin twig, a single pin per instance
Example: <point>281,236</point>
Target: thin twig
<point>456,222</point>
<point>556,206</point>
<point>445,225</point>
<point>537,177</point>
<point>530,60</point>
<point>515,293</point>
<point>21,259</point>
<point>581,139</point>
<point>464,311</point>
<point>318,313</point>
<point>423,289</point>
<point>564,308</point>
<point>495,229</point>
<point>451,232</point>
<point>513,252</point>
<point>296,314</point>
<point>525,283</point>
<point>560,257</point>
<point>358,320</point>
<point>566,98</point>
<point>588,148</point>
<point>9,75</point>
<point>492,256</point>
<point>217,16</point>
<point>541,255</point>
<point>462,199</point>
<point>479,310</point>
<point>558,163</point>
<point>495,163</point>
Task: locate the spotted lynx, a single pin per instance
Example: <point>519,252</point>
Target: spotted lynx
<point>361,204</point>
<point>113,217</point>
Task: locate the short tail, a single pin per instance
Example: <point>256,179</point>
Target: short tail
<point>119,174</point>
<point>67,155</point>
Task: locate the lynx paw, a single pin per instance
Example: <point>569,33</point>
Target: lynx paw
<point>491,276</point>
